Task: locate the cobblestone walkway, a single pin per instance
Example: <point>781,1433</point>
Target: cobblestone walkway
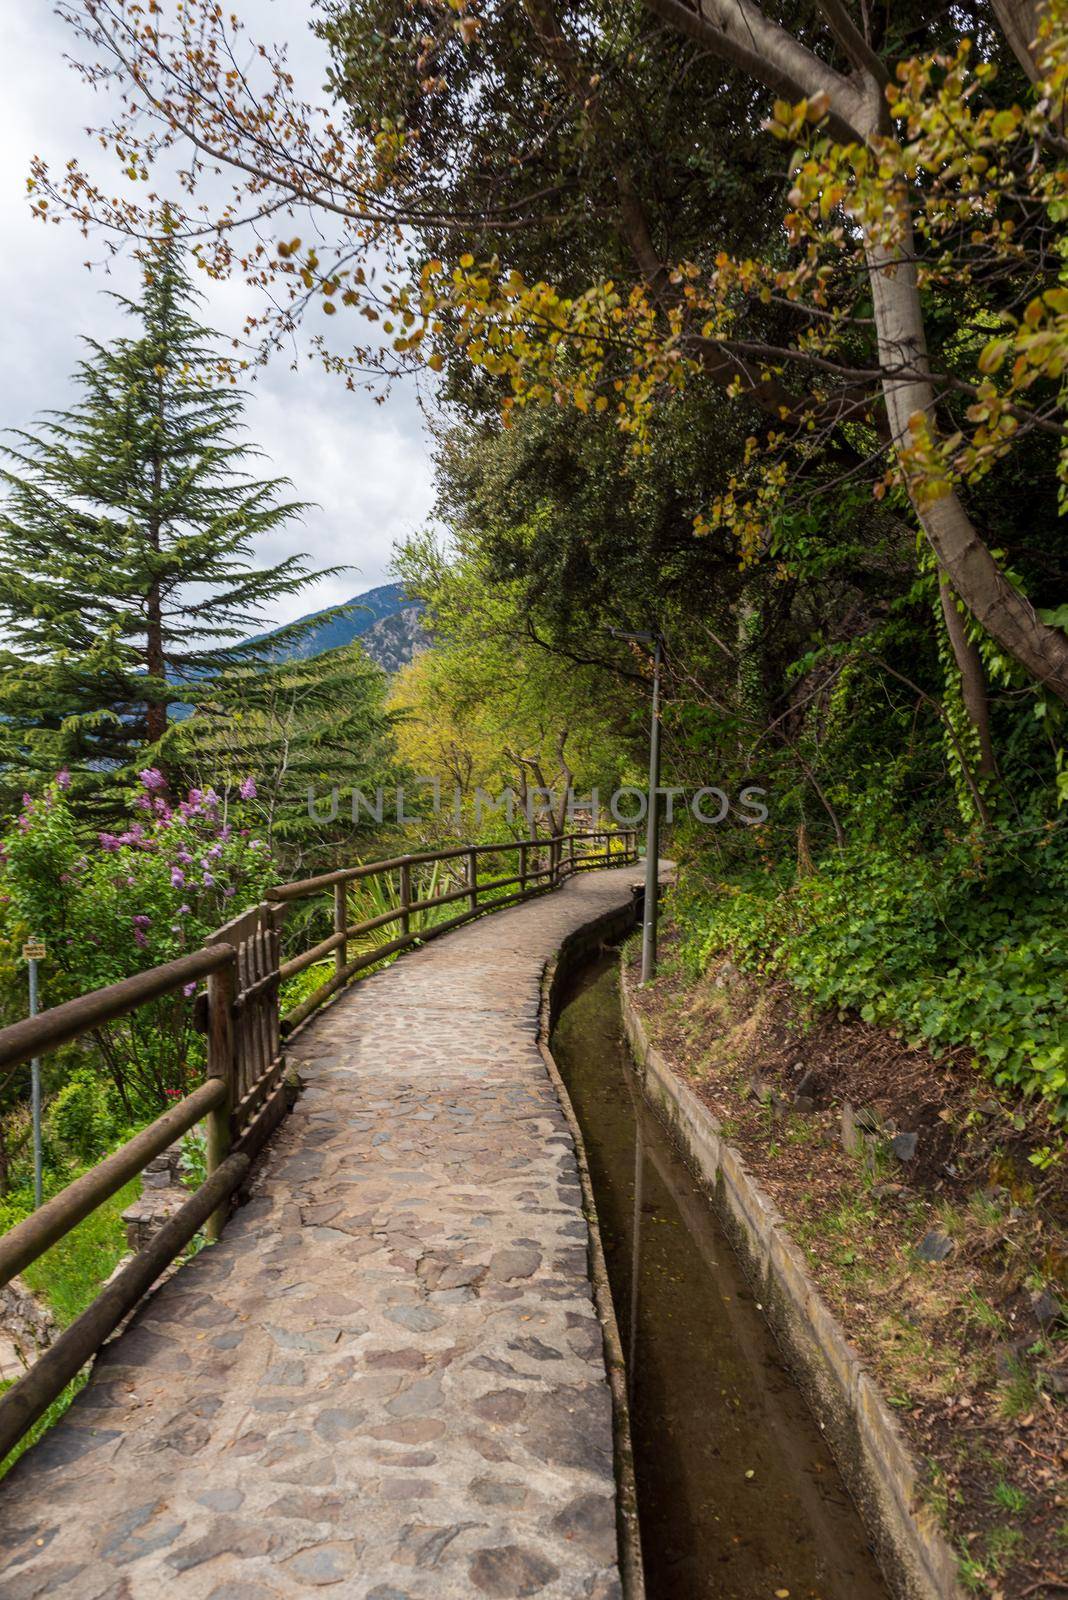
<point>387,1380</point>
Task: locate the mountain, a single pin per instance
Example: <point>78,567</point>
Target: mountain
<point>385,620</point>
<point>392,641</point>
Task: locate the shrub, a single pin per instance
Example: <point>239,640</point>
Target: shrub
<point>111,904</point>
<point>965,945</point>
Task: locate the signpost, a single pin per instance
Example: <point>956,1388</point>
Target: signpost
<point>34,950</point>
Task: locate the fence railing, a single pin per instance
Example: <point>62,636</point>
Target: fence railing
<point>244,1093</point>
<point>540,864</point>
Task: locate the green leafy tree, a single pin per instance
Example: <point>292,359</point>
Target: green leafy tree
<point>126,544</point>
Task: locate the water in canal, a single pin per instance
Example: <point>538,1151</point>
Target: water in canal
<point>738,1497</point>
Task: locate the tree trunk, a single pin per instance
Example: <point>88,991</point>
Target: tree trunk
<point>972,677</point>
<point>1006,614</point>
<point>1019,24</point>
<point>155,659</point>
<point>155,662</point>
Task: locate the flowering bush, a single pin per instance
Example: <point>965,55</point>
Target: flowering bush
<point>112,904</point>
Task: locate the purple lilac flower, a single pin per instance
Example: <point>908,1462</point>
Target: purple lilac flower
<point>208,881</point>
<point>152,778</point>
<point>248,789</point>
<point>228,894</point>
<point>63,778</point>
<point>189,989</point>
<point>108,841</point>
<point>177,878</point>
<point>183,911</point>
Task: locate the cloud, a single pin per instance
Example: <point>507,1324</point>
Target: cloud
<point>367,466</point>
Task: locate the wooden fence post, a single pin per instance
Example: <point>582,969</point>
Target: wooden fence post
<point>341,922</point>
<point>522,869</point>
<point>472,877</point>
<point>221,989</point>
<point>406,897</point>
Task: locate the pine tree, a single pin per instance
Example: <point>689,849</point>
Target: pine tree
<point>301,727</point>
<point>126,545</point>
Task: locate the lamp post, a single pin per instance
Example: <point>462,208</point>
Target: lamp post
<point>652,821</point>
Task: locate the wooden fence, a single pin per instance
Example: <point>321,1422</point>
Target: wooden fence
<point>244,1093</point>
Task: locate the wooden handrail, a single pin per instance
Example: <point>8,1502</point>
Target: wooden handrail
<point>301,888</point>
<point>36,1036</point>
<point>28,1399</point>
<point>42,1228</point>
<point>245,1088</point>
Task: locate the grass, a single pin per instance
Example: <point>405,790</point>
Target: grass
<point>47,1420</point>
<point>976,1571</point>
<point>1018,1395</point>
<point>1009,1498</point>
<point>68,1277</point>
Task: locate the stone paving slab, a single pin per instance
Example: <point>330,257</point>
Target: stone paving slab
<point>387,1380</point>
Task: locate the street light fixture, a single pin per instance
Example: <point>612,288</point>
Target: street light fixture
<point>652,823</point>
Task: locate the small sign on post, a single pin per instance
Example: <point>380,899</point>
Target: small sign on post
<point>34,950</point>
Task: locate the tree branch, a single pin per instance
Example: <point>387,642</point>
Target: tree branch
<point>852,41</point>
<point>739,33</point>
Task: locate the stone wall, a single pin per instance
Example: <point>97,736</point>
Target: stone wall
<point>163,1191</point>
<point>27,1327</point>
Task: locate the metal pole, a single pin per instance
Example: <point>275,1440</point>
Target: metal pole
<point>652,830</point>
<point>35,1093</point>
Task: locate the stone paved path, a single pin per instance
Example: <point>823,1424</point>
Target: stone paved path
<point>387,1380</point>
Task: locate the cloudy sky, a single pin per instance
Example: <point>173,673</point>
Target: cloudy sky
<point>367,466</point>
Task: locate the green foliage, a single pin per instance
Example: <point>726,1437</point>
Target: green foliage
<point>111,904</point>
<point>69,1275</point>
<point>195,1157</point>
<point>126,541</point>
<point>68,1278</point>
<point>963,945</point>
<point>82,1116</point>
<point>297,726</point>
<point>493,704</point>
